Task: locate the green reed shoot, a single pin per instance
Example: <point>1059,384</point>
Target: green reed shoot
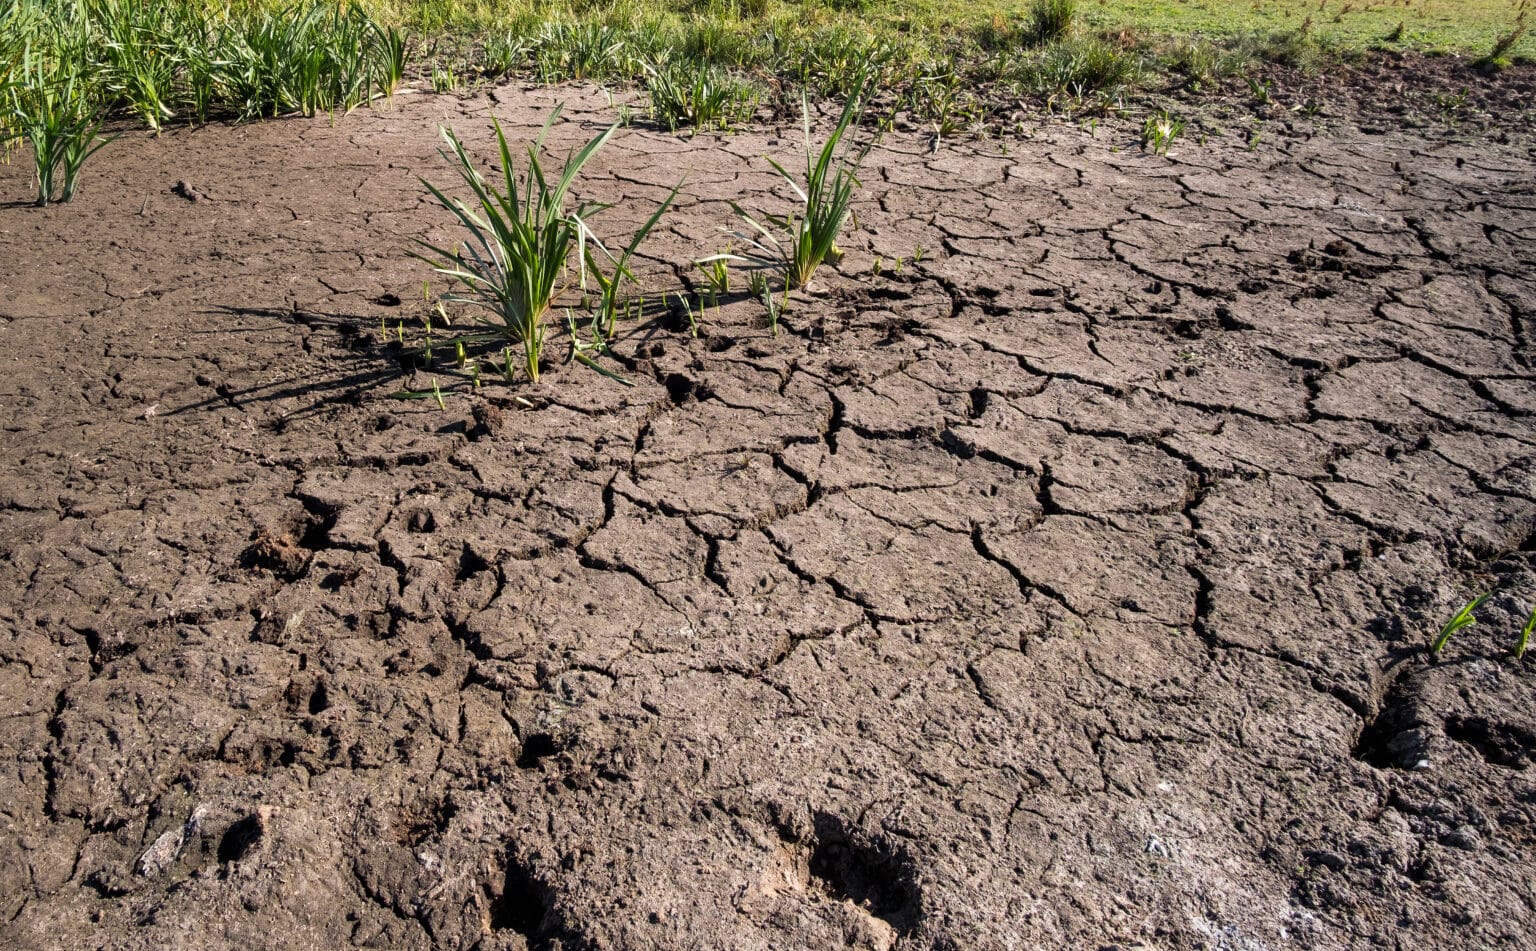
<point>1525,635</point>
<point>718,276</point>
<point>1463,619</point>
<point>796,244</point>
<point>513,262</point>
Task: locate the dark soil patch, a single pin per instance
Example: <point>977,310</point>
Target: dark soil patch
<point>1067,587</point>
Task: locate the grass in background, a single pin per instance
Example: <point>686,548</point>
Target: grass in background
<point>162,61</point>
<point>66,64</point>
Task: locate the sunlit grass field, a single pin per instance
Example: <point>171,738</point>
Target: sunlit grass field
<point>1468,27</point>
<point>68,66</point>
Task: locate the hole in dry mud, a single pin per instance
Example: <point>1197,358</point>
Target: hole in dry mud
<point>320,698</point>
<point>536,748</point>
<point>980,399</point>
<point>524,903</point>
<point>470,564</point>
<point>870,873</point>
<point>422,521</point>
<point>240,838</point>
<point>1502,744</point>
<point>678,387</point>
<point>1394,738</point>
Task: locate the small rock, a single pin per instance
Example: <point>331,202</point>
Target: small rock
<point>166,849</point>
<point>488,420</point>
<point>1463,837</point>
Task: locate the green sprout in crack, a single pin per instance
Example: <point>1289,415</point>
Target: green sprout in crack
<point>1159,131</point>
<point>1463,619</point>
<point>1525,635</point>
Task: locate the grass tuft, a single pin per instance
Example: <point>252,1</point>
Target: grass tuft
<point>520,235</point>
<point>1051,21</point>
<point>515,260</point>
<point>1082,68</point>
<point>698,96</point>
<point>795,245</point>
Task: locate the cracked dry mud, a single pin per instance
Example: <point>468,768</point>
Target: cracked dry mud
<point>1067,588</point>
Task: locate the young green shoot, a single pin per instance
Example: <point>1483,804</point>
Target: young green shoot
<point>1463,619</point>
<point>718,276</point>
<point>795,245</point>
<point>609,284</point>
<point>582,350</point>
<point>1525,635</point>
<point>435,394</point>
<point>758,284</point>
<point>693,323</point>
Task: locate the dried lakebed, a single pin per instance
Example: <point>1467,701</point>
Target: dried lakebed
<point>1068,587</point>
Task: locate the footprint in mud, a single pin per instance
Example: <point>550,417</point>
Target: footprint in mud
<point>1502,744</point>
<point>522,904</point>
<point>865,886</point>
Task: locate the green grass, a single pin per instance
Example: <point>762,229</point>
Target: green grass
<point>514,260</point>
<point>61,120</point>
<point>796,244</point>
<point>1463,618</point>
<point>1463,26</point>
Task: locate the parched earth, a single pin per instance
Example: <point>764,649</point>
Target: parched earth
<point>1070,586</point>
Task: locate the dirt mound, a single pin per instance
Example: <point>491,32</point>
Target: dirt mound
<point>1066,585</point>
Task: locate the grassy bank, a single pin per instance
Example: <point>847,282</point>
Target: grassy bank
<point>65,65</point>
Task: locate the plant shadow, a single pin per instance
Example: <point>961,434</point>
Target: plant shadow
<point>356,363</point>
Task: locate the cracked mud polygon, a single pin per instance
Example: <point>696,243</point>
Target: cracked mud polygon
<point>1068,587</point>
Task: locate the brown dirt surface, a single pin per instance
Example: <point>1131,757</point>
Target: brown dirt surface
<point>1069,587</point>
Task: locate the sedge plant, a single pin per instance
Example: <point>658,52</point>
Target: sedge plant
<point>514,262</point>
<point>59,116</point>
<point>795,245</point>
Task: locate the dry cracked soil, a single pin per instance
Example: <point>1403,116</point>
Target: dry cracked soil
<point>1068,586</point>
